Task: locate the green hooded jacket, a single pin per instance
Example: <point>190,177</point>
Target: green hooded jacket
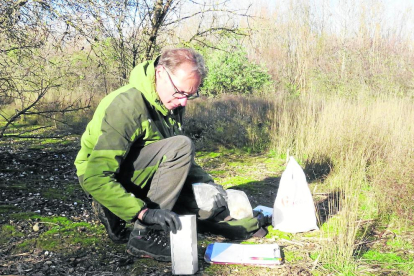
<point>129,118</point>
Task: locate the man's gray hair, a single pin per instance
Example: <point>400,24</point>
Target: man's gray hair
<point>173,58</point>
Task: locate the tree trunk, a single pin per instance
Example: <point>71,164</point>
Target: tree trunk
<point>160,11</point>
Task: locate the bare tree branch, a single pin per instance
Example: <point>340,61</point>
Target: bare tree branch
<point>24,110</point>
<point>57,111</point>
<point>81,47</point>
<point>213,11</point>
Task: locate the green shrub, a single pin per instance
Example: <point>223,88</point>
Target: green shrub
<point>231,71</point>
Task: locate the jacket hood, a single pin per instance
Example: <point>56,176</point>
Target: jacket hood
<point>143,78</point>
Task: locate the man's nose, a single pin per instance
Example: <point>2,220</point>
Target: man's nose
<point>183,101</point>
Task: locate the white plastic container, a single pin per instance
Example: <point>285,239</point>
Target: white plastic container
<point>184,255</point>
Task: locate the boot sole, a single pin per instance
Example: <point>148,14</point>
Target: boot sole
<point>143,254</point>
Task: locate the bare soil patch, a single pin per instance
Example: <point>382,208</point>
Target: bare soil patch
<point>48,227</point>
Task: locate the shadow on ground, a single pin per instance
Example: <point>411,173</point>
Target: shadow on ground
<point>318,170</point>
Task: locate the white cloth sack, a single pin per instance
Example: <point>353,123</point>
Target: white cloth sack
<point>239,204</point>
<point>293,210</point>
<point>204,195</point>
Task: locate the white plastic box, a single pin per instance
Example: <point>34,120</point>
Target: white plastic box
<point>184,255</point>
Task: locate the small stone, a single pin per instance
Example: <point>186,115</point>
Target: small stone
<point>46,253</point>
<point>36,227</point>
<point>71,270</point>
<point>48,262</point>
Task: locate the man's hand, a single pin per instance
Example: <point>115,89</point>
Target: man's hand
<point>166,219</point>
<point>220,210</point>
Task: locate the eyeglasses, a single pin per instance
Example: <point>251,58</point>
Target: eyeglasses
<point>181,95</point>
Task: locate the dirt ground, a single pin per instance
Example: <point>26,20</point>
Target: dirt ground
<point>48,227</point>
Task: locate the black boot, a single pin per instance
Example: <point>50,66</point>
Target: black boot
<point>149,243</point>
<point>115,227</point>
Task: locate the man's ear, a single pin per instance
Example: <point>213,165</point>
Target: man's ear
<point>158,69</point>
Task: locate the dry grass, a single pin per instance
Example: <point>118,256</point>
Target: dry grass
<point>366,144</point>
<point>369,143</point>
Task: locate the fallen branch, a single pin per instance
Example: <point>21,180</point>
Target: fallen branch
<point>296,243</point>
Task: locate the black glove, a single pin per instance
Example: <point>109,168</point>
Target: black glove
<point>166,219</point>
<point>220,199</point>
<point>262,219</point>
<point>220,210</point>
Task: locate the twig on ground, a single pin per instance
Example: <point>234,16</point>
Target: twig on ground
<point>364,221</point>
<point>19,255</point>
<point>316,239</point>
<point>46,222</point>
<point>368,242</point>
<point>296,243</point>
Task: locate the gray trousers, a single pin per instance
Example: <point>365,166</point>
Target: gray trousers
<point>168,185</point>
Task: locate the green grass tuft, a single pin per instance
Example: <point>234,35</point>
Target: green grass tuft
<point>237,180</point>
<point>7,232</point>
<point>292,256</point>
<point>5,209</point>
<point>389,260</point>
<point>24,216</point>
<point>63,235</point>
<point>277,234</point>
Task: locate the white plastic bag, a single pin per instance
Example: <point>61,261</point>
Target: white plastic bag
<point>293,210</point>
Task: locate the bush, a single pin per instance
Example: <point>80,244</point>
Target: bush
<point>232,72</point>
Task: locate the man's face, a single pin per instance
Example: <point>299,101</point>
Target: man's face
<point>184,80</point>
